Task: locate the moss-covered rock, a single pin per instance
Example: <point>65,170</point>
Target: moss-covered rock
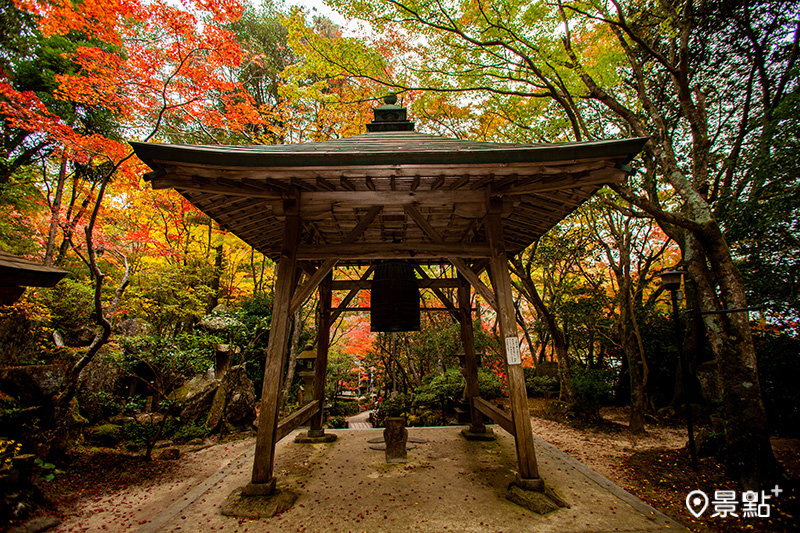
<point>105,434</point>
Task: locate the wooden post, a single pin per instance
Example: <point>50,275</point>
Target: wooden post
<point>263,481</point>
<point>501,282</point>
<point>323,340</point>
<point>470,361</point>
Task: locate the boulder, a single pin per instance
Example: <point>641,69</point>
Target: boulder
<point>217,410</point>
<point>99,385</point>
<point>546,369</point>
<point>240,409</point>
<point>32,384</point>
<point>18,339</point>
<point>196,398</point>
<point>82,337</point>
<point>229,402</point>
<point>169,454</point>
<point>219,323</point>
<point>134,327</point>
<point>219,319</point>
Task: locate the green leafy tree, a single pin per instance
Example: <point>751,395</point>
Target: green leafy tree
<point>698,80</point>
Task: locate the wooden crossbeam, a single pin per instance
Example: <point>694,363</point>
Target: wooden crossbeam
<point>409,170</point>
<point>459,263</point>
<point>367,309</point>
<point>500,417</point>
<point>349,298</point>
<point>406,250</point>
<point>315,279</point>
<point>391,198</point>
<point>442,283</point>
<point>439,294</point>
<point>598,175</point>
<point>311,283</point>
<point>296,419</point>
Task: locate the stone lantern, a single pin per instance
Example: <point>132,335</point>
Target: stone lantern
<point>305,369</point>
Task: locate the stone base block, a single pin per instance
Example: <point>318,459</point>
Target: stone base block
<point>539,500</point>
<point>382,446</point>
<point>245,506</point>
<point>309,438</point>
<point>259,489</point>
<point>535,484</point>
<point>471,435</point>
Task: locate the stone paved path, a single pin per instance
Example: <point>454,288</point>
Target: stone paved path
<point>359,421</point>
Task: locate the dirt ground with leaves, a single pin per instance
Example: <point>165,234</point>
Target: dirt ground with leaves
<point>657,469</point>
<point>654,467</point>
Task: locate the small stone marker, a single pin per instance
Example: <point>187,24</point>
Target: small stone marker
<point>396,436</point>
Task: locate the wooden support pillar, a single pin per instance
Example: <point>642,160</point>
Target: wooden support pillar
<point>470,360</point>
<point>263,481</point>
<point>509,341</point>
<point>323,340</point>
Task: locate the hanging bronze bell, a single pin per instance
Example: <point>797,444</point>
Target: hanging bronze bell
<point>394,297</point>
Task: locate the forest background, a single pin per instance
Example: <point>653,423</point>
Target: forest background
<point>712,84</point>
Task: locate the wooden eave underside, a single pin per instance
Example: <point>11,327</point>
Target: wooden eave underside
<point>16,271</point>
<point>248,200</point>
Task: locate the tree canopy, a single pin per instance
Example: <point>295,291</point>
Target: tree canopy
<point>713,85</point>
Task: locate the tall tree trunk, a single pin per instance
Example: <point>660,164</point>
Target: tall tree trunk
<point>748,451</point>
<point>525,332</point>
<point>123,284</point>
<point>216,278</point>
<point>64,409</point>
<point>294,346</point>
<point>635,363</point>
<point>55,210</point>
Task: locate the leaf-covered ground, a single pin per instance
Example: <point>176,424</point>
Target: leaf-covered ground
<point>654,467</point>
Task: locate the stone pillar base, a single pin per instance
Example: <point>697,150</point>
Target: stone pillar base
<point>534,495</point>
<point>535,484</point>
<point>259,489</point>
<point>486,434</point>
<point>240,505</point>
<point>313,438</point>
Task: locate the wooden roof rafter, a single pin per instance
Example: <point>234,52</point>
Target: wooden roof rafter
<point>432,192</point>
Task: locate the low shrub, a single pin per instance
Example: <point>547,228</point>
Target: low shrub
<point>591,387</point>
<point>337,422</point>
<point>540,385</point>
<point>389,407</point>
<point>343,408</point>
<point>105,435</point>
<point>189,432</point>
<point>489,384</point>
